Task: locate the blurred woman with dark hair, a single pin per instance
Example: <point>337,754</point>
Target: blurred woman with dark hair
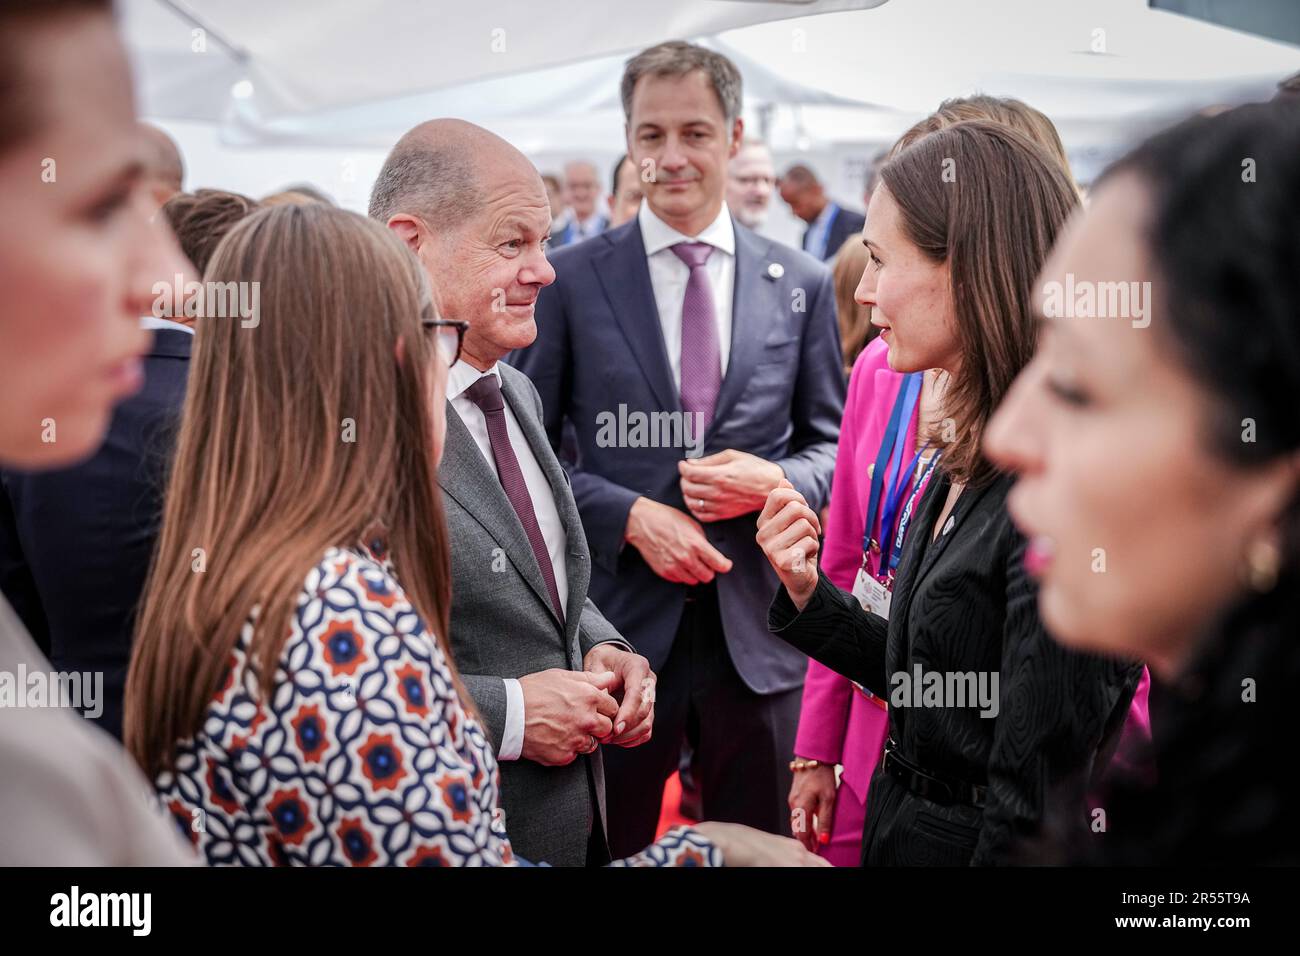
<point>1166,436</point>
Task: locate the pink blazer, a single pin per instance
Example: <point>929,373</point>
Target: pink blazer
<point>837,723</point>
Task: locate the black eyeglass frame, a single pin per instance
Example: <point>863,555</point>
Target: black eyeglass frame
<point>460,325</point>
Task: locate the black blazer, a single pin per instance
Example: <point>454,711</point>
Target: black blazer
<point>965,603</point>
<point>847,223</point>
<point>75,544</point>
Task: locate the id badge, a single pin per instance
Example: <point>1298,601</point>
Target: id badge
<point>867,590</point>
<point>871,594</point>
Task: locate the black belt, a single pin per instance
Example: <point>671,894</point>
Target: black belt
<point>931,786</point>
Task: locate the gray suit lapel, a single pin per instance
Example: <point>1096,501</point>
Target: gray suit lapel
<point>521,403</point>
<point>755,302</point>
<point>472,481</point>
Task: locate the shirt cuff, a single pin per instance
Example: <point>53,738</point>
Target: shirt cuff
<point>512,738</point>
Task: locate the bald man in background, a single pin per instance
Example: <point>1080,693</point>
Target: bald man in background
<point>829,224</point>
<point>164,167</point>
<point>550,676</point>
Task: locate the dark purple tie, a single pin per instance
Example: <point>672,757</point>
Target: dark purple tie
<point>701,355</point>
<point>486,394</point>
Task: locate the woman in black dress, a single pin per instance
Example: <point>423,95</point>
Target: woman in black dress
<point>987,715</point>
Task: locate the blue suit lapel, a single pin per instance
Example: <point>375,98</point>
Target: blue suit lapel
<point>624,276</point>
<point>755,303</point>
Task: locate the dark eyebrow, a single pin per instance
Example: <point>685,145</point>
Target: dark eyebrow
<point>129,174</point>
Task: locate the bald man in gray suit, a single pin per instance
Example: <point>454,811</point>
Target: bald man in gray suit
<point>550,676</point>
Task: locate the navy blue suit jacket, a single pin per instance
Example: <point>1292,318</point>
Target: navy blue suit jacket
<point>846,223</point>
<point>599,346</point>
<point>569,234</point>
<point>75,544</point>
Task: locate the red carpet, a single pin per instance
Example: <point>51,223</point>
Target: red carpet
<point>670,815</point>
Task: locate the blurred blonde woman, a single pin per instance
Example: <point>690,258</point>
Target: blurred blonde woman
<point>856,330</point>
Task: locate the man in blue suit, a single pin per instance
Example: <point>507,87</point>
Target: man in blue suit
<point>698,365</point>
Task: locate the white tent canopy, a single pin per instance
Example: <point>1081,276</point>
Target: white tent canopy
<point>302,56</point>
<point>577,105</point>
<point>1103,71</point>
<point>320,90</point>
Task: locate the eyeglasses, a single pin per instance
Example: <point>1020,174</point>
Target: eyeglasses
<point>449,336</point>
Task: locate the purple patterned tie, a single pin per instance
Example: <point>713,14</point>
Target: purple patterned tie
<point>701,355</point>
<point>486,394</point>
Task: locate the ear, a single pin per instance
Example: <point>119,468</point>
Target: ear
<point>399,351</point>
<point>409,229</point>
<point>737,137</point>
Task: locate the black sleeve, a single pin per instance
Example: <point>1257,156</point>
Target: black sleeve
<point>834,630</point>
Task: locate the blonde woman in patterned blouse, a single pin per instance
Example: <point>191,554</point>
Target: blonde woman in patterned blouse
<point>291,692</point>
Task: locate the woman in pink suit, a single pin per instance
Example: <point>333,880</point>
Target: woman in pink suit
<point>841,723</point>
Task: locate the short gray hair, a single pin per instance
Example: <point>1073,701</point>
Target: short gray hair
<point>677,58</point>
<point>435,182</point>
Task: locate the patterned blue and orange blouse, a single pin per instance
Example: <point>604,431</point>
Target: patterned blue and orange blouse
<point>362,755</point>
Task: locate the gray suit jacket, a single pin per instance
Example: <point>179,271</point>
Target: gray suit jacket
<point>502,626</point>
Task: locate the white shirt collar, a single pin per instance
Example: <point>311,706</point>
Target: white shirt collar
<point>150,322</point>
<point>657,235</point>
<point>462,375</point>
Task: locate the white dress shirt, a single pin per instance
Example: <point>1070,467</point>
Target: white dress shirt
<point>461,376</point>
<point>151,323</point>
<point>669,275</point>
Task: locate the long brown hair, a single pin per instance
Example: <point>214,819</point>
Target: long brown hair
<point>994,223</point>
<point>266,479</point>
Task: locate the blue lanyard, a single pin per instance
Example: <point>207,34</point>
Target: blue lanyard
<point>899,489</point>
<point>891,444</point>
<point>896,552</point>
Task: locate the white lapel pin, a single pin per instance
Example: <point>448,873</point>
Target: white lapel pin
<point>948,525</point>
<point>775,270</point>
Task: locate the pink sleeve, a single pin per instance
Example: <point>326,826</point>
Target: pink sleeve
<point>842,548</point>
<point>824,715</point>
